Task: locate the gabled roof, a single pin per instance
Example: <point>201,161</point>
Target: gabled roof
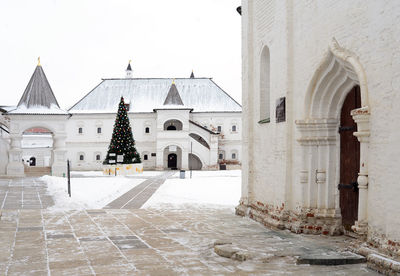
<point>146,94</point>
<point>173,97</point>
<point>38,92</point>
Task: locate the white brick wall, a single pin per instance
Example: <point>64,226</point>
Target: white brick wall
<point>298,37</point>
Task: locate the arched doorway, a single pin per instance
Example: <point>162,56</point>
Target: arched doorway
<point>172,161</point>
<point>349,160</point>
<point>172,157</point>
<point>330,159</point>
<point>32,161</point>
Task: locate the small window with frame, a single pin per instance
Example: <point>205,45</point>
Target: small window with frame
<point>80,130</point>
<point>99,130</point>
<point>147,130</point>
<point>234,128</point>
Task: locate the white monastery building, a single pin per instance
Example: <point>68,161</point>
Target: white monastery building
<point>183,123</point>
<point>321,136</point>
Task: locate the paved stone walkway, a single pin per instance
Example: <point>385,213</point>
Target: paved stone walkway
<point>153,242</point>
<point>136,197</point>
<point>24,193</point>
<point>129,241</point>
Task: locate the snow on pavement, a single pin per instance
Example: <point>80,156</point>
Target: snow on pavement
<point>219,189</point>
<point>88,192</point>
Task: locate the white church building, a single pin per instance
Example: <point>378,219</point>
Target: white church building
<point>182,123</point>
<point>321,136</point>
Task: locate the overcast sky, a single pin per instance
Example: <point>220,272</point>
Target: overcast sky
<point>80,42</point>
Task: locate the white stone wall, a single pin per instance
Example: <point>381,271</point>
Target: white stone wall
<point>90,143</point>
<point>298,35</point>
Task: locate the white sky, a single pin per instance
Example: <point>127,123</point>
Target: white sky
<point>80,42</point>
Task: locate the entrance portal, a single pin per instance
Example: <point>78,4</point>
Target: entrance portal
<point>349,159</point>
<point>172,161</point>
<point>32,161</point>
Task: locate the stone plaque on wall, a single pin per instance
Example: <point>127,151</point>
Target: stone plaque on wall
<point>280,112</point>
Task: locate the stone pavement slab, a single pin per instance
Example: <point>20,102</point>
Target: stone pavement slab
<point>155,242</point>
<point>24,193</point>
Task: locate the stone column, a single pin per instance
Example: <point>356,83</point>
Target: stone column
<point>15,166</point>
<point>59,165</point>
<point>361,117</point>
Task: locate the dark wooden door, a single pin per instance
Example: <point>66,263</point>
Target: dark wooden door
<point>349,160</point>
<point>172,161</point>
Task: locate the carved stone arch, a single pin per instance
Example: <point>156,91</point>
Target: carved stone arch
<point>319,140</point>
<point>339,69</point>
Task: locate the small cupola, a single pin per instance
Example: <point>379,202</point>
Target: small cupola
<point>129,72</point>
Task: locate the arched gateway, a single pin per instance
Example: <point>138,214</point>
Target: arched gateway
<point>37,107</point>
<point>334,176</point>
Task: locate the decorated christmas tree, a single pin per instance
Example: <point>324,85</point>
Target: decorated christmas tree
<point>122,142</point>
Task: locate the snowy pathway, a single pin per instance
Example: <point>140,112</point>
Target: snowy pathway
<point>136,197</point>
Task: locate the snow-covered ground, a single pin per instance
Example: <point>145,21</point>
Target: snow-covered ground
<point>92,190</point>
<point>87,192</point>
<point>100,173</point>
<point>206,188</point>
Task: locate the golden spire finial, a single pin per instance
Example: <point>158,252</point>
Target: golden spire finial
<point>130,61</point>
<point>173,81</point>
<point>38,61</point>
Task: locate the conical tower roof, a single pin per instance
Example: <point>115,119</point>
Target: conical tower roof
<point>192,75</point>
<point>38,92</point>
<point>173,97</point>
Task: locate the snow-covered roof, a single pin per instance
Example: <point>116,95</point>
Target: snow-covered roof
<point>38,97</point>
<point>38,110</point>
<point>144,95</point>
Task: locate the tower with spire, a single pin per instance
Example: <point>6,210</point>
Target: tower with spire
<point>129,72</point>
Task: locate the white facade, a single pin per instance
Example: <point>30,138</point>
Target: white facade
<point>313,53</point>
<point>151,139</point>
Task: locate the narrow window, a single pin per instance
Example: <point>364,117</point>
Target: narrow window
<point>80,130</point>
<point>81,157</point>
<point>233,155</point>
<point>234,128</point>
<point>99,130</point>
<point>221,156</point>
<point>147,130</point>
<point>219,129</point>
<point>98,157</point>
<point>145,157</point>
<point>265,85</point>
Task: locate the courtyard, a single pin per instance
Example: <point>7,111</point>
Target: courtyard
<point>159,225</point>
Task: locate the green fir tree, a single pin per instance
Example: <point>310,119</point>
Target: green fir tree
<point>122,142</point>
